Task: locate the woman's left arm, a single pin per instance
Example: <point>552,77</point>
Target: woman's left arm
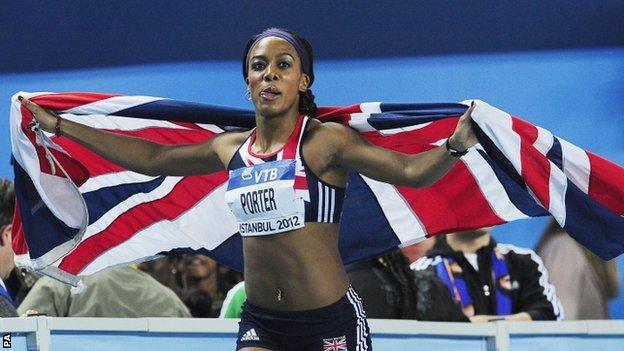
<point>423,169</point>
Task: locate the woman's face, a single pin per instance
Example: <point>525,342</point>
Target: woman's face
<point>275,77</point>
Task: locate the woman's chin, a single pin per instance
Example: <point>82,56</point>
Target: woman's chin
<point>269,111</point>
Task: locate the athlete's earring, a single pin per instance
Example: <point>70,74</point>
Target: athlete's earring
<point>248,95</point>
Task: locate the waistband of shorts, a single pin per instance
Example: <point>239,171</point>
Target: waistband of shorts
<point>321,311</point>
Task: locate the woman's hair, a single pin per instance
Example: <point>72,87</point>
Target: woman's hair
<point>307,106</point>
<point>398,266</point>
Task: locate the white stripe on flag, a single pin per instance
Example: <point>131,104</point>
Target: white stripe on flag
<point>370,107</point>
<point>557,186</point>
<point>497,125</point>
<point>544,141</point>
<point>359,121</point>
<point>188,230</point>
<point>210,127</point>
<point>103,222</point>
<point>112,179</point>
<point>404,222</point>
<point>64,199</point>
<point>403,129</point>
<point>119,123</point>
<point>112,105</point>
<point>491,188</point>
<point>576,165</point>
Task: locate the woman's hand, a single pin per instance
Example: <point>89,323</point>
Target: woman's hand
<point>464,137</point>
<point>46,120</point>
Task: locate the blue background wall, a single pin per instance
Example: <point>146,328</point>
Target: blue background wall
<point>559,65</point>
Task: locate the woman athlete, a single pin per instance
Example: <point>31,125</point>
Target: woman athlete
<point>286,186</point>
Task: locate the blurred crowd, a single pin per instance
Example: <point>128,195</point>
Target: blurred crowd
<point>465,276</point>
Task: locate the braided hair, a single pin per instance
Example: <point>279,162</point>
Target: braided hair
<point>307,106</point>
<point>397,264</point>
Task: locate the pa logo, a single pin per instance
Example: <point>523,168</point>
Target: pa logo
<point>6,341</point>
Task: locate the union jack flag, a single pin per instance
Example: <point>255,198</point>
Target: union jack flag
<point>79,213</point>
<point>335,344</point>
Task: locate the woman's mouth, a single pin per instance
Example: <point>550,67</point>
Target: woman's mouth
<point>270,93</point>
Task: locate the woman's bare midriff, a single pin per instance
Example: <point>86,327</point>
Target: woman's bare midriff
<point>294,271</point>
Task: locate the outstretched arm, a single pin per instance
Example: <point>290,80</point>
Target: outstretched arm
<point>397,168</point>
<point>136,154</point>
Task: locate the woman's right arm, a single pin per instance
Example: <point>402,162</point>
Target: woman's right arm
<point>136,154</point>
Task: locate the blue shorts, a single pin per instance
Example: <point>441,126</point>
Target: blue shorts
<point>340,326</point>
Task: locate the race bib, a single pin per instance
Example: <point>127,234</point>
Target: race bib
<point>262,198</point>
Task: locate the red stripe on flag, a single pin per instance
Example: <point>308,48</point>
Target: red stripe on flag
<point>331,113</point>
<point>605,183</point>
<point>535,166</point>
<point>450,204</point>
<point>170,136</point>
<point>457,194</point>
<point>182,197</point>
<point>428,134</point>
<point>18,241</point>
<point>97,165</point>
<point>66,101</point>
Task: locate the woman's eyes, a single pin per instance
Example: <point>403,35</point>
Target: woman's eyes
<point>259,65</point>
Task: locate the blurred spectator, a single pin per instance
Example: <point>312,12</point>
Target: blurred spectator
<point>415,251</point>
<point>390,289</point>
<point>492,281</point>
<point>7,303</point>
<point>6,308</point>
<point>196,279</point>
<point>14,282</point>
<point>227,279</point>
<point>199,303</point>
<point>233,303</point>
<point>166,270</point>
<point>584,282</point>
<point>116,292</point>
<point>201,276</point>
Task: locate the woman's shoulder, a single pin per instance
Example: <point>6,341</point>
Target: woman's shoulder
<point>233,138</point>
<point>227,143</point>
<point>330,126</point>
<point>326,131</point>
